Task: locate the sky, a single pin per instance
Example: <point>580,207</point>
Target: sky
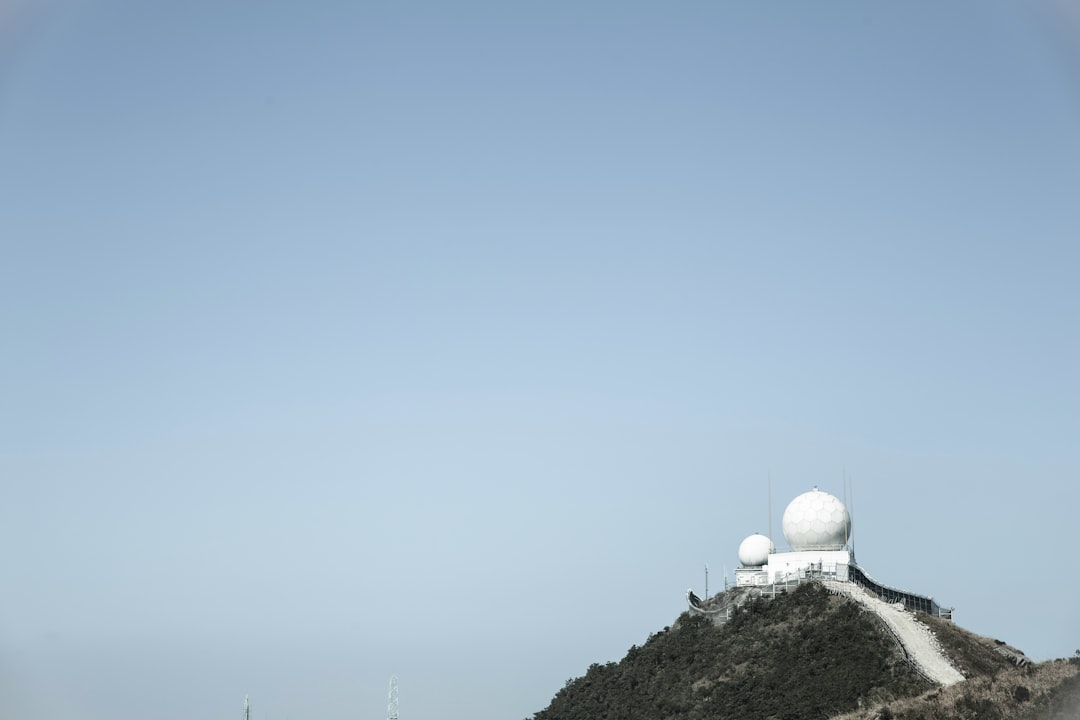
<point>452,341</point>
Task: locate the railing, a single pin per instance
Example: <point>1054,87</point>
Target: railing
<point>912,601</point>
<point>855,574</point>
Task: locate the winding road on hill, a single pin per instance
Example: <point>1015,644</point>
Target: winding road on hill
<point>918,640</point>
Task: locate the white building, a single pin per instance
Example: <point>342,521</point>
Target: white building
<point>816,526</point>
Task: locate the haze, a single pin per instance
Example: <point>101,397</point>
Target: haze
<point>452,340</point>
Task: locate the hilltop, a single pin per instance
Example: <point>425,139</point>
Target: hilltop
<point>810,653</point>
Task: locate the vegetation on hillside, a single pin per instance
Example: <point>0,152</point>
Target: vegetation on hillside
<point>972,654</point>
<point>805,654</point>
<point>1048,691</point>
<point>1060,702</point>
<point>808,654</point>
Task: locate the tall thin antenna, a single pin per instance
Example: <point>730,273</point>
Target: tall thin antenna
<point>851,512</point>
<point>847,507</point>
<point>771,541</point>
<point>706,581</point>
<point>392,700</point>
<point>247,708</point>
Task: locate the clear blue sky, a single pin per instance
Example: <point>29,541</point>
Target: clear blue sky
<point>452,339</point>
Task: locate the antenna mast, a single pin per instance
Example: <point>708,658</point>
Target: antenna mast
<point>851,512</point>
<point>771,541</point>
<point>247,708</point>
<point>847,507</point>
<point>392,700</point>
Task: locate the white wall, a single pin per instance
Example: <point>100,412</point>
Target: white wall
<point>831,561</point>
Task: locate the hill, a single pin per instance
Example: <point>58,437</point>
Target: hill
<point>810,654</point>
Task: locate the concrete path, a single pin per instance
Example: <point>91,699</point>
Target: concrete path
<point>919,641</point>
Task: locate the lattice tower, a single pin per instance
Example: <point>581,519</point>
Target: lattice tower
<point>392,700</point>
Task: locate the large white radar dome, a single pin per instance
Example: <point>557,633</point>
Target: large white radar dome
<point>816,520</point>
<point>754,550</point>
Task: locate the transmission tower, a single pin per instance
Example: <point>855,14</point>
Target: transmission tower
<point>247,709</point>
<point>392,701</point>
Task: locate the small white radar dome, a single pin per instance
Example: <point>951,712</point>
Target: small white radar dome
<point>816,520</point>
<point>754,550</point>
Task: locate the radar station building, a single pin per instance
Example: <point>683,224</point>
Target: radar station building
<point>817,527</point>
